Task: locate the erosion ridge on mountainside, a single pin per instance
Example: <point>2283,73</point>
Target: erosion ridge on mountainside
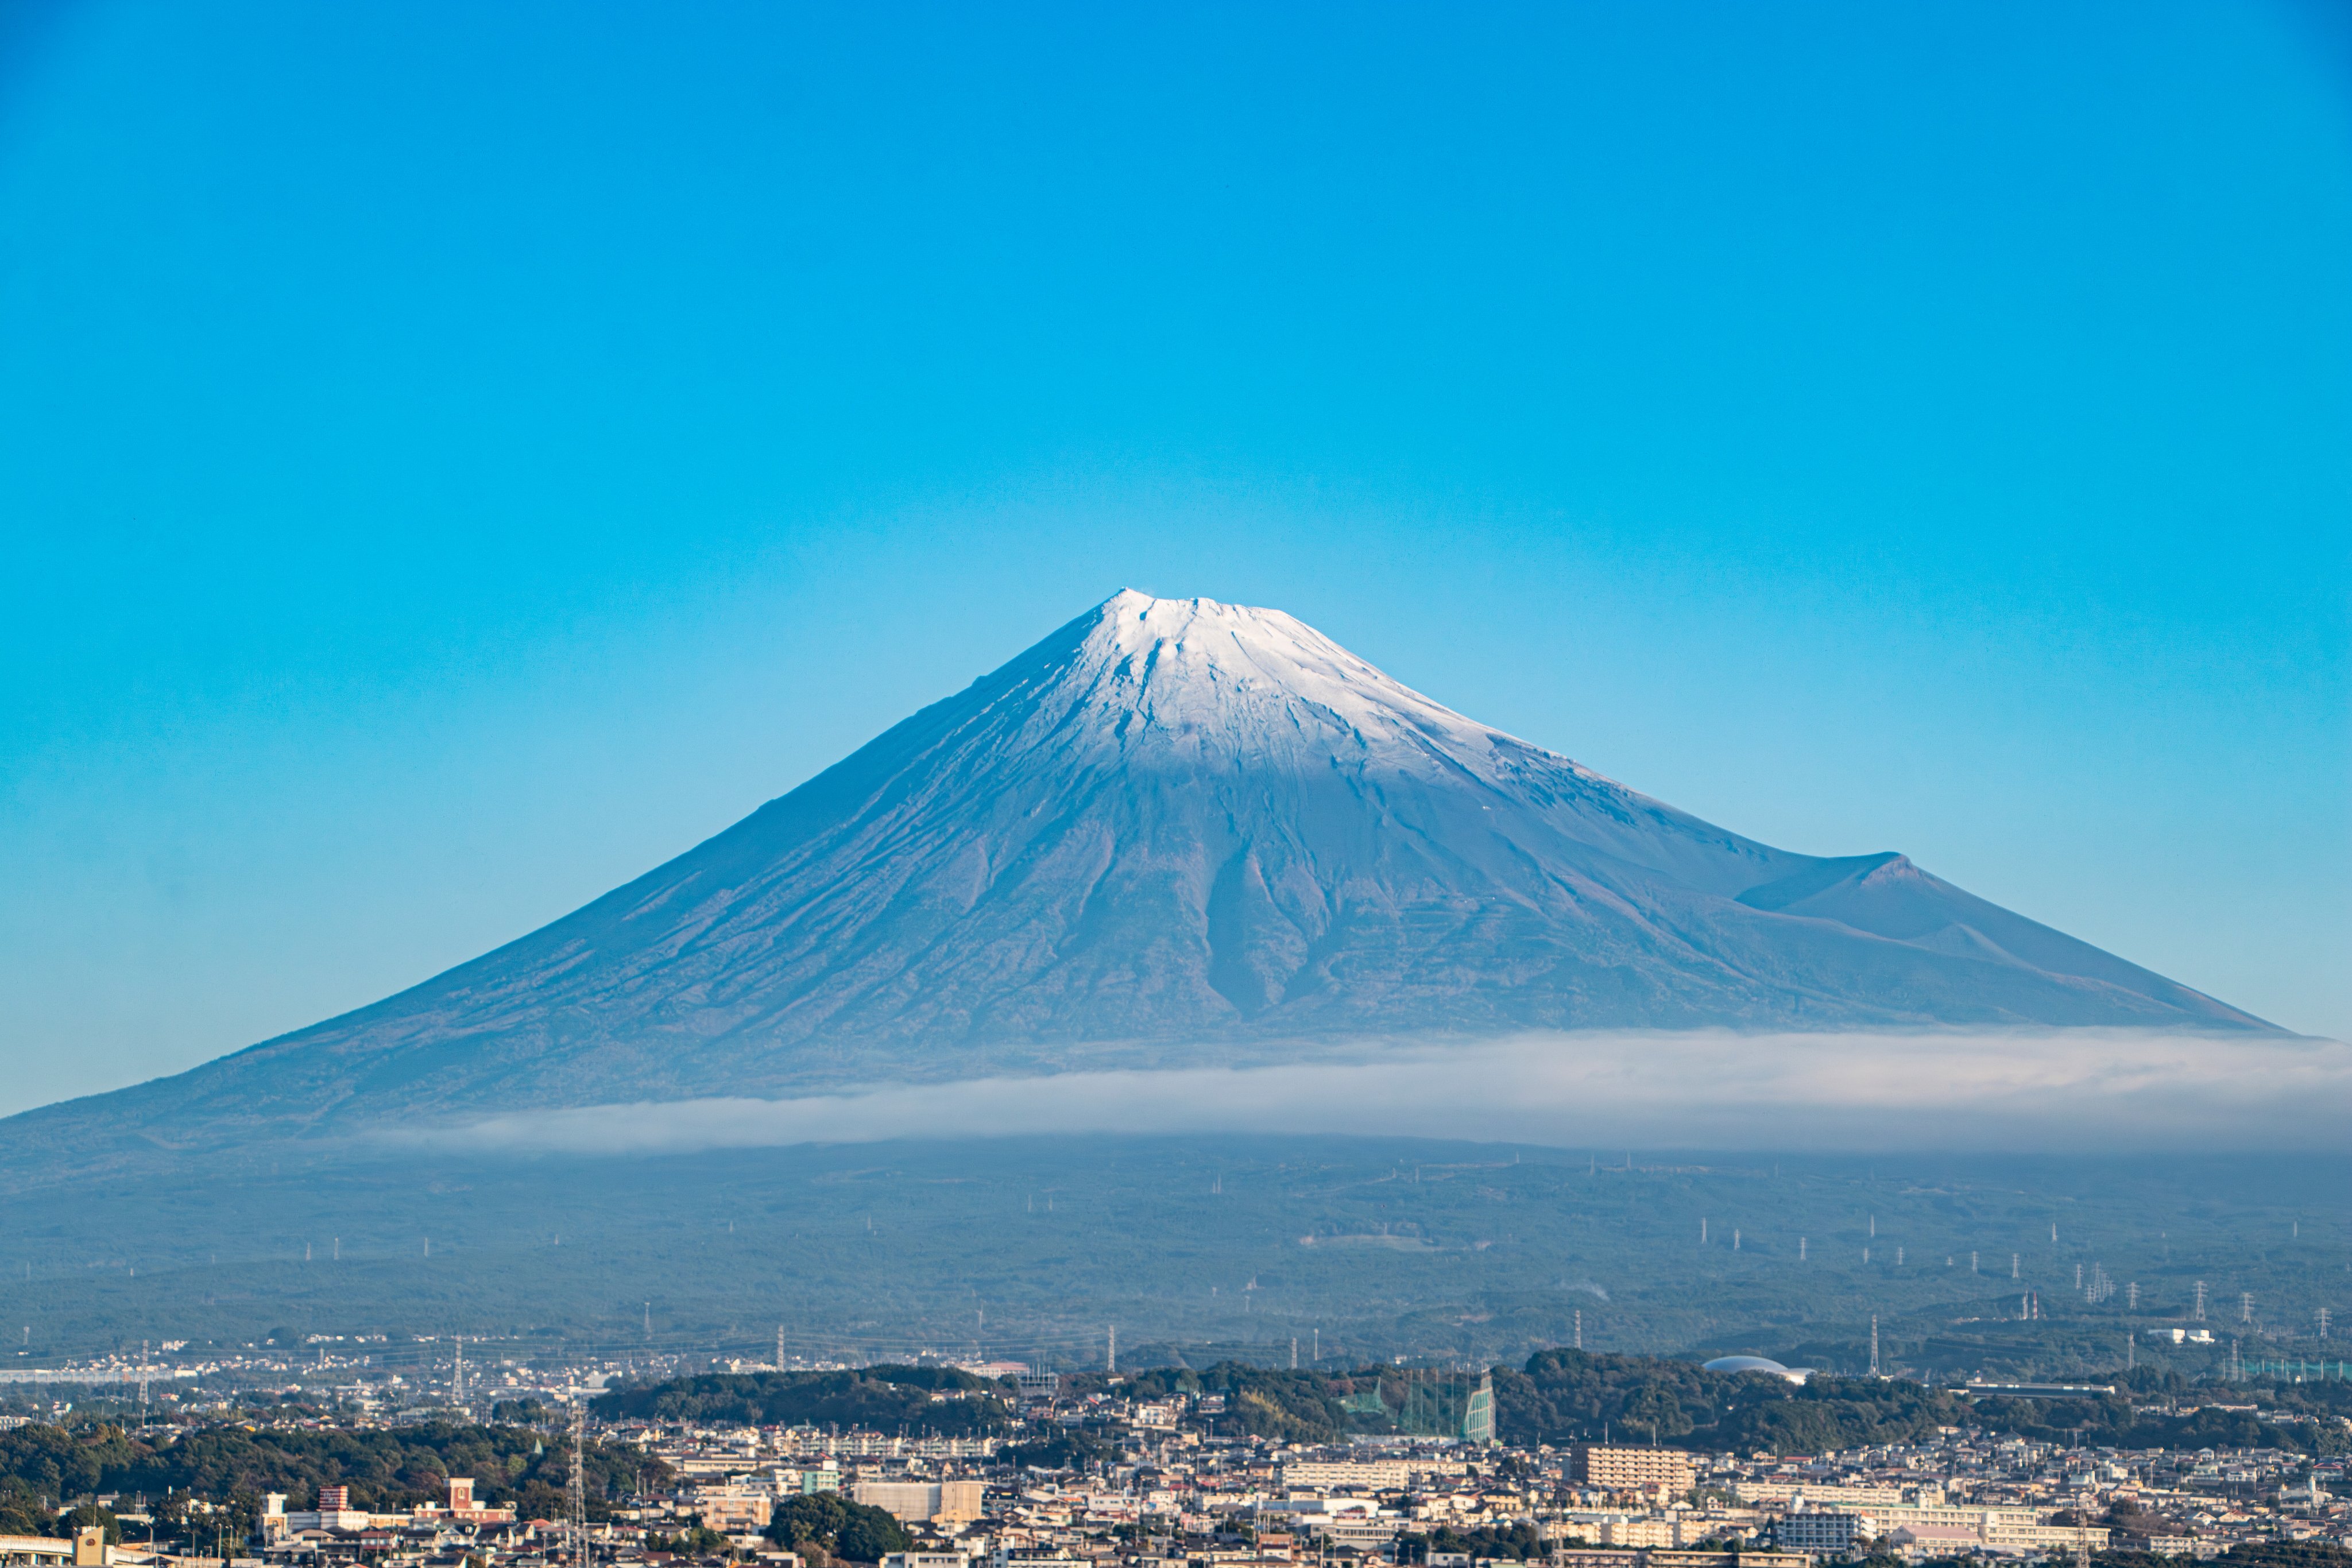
<point>1173,831</point>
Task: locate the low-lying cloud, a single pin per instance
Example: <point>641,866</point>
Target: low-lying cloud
<point>2057,1091</point>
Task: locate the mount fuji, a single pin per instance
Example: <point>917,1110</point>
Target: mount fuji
<point>1173,833</point>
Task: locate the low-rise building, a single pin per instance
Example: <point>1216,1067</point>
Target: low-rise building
<point>923,1502</point>
<point>1822,1533</point>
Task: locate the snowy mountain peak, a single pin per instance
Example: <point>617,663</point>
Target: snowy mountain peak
<point>1204,638</point>
<point>1238,681</point>
<point>1174,832</point>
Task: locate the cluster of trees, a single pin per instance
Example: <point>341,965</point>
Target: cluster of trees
<point>1563,1395</point>
<point>1070,1447</point>
<point>880,1398</point>
<point>823,1527</point>
<point>1520,1542</point>
<point>1265,1402</point>
<point>43,1467</point>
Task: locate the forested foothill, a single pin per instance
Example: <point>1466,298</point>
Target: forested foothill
<point>1556,1396</point>
<point>47,1469</point>
<point>1560,1396</point>
<point>930,1401</point>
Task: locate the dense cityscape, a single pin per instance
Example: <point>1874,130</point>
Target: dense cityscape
<point>1574,1460</point>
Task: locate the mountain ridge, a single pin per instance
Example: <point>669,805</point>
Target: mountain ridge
<point>1170,830</point>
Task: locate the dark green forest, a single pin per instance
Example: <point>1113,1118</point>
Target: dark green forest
<point>1563,1395</point>
<point>935,1401</point>
<point>44,1467</point>
<point>825,1525</point>
<point>1557,1396</point>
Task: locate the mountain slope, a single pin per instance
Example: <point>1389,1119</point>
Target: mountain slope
<point>1172,830</point>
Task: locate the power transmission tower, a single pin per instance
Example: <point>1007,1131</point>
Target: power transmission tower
<point>577,1502</point>
<point>1874,1345</point>
<point>2323,1323</point>
<point>2245,1306</point>
<point>2198,1311</point>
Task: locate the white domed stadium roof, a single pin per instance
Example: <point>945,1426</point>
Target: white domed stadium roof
<point>1737,1364</point>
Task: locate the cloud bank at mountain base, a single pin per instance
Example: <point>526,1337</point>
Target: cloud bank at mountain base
<point>2053,1091</point>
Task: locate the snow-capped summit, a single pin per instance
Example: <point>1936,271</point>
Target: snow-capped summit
<point>1179,659</point>
<point>1174,832</point>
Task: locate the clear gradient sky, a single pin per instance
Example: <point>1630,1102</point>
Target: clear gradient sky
<point>453,457</point>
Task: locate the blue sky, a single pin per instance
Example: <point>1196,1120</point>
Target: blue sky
<point>454,457</point>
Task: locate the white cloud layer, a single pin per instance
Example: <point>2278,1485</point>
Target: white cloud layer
<point>2059,1090</point>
